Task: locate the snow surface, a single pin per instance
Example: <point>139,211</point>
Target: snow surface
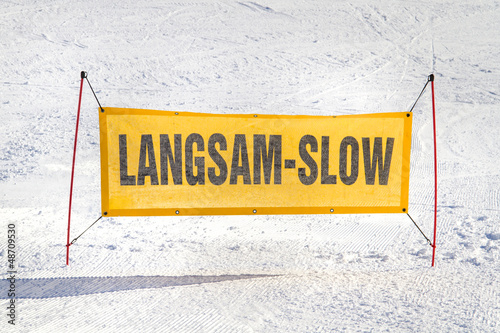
<point>352,273</point>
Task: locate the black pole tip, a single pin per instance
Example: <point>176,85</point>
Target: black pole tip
<point>431,77</point>
<point>83,75</point>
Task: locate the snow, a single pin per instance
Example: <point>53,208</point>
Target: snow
<point>353,273</point>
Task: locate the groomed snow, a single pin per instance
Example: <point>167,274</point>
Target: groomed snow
<point>352,273</point>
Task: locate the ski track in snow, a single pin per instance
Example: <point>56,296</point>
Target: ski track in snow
<point>347,273</point>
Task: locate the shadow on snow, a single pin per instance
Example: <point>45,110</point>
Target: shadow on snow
<point>77,286</point>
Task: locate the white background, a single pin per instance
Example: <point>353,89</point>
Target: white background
<point>366,273</point>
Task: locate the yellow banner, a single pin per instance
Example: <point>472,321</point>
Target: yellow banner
<point>181,163</point>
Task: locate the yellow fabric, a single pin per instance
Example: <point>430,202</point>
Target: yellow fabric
<point>278,139</point>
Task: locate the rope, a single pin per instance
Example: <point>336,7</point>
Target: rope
<point>74,240</point>
<point>430,78</point>
<point>84,75</point>
<point>415,223</point>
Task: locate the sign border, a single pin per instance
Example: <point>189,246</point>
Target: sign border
<point>175,211</point>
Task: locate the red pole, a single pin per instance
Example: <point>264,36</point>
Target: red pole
<point>83,76</point>
<point>431,78</point>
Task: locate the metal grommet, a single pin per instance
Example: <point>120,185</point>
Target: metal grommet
<point>105,213</point>
<point>255,211</point>
<point>404,209</point>
<point>331,210</point>
<point>255,116</point>
<point>177,113</point>
<point>177,212</point>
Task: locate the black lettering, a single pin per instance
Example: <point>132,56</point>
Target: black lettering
<point>289,164</point>
<point>326,178</point>
<point>147,152</point>
<point>217,158</point>
<point>125,178</point>
<point>308,160</point>
<point>261,153</point>
<point>384,164</point>
<point>346,142</point>
<point>167,157</point>
<point>199,162</point>
<point>240,144</point>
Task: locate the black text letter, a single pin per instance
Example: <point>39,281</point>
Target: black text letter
<point>125,179</point>
<point>217,158</point>
<point>346,142</point>
<point>384,164</point>
<point>143,171</point>
<point>240,144</point>
<point>326,178</point>
<point>167,157</point>
<point>199,162</point>
<point>261,153</point>
<point>310,162</point>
